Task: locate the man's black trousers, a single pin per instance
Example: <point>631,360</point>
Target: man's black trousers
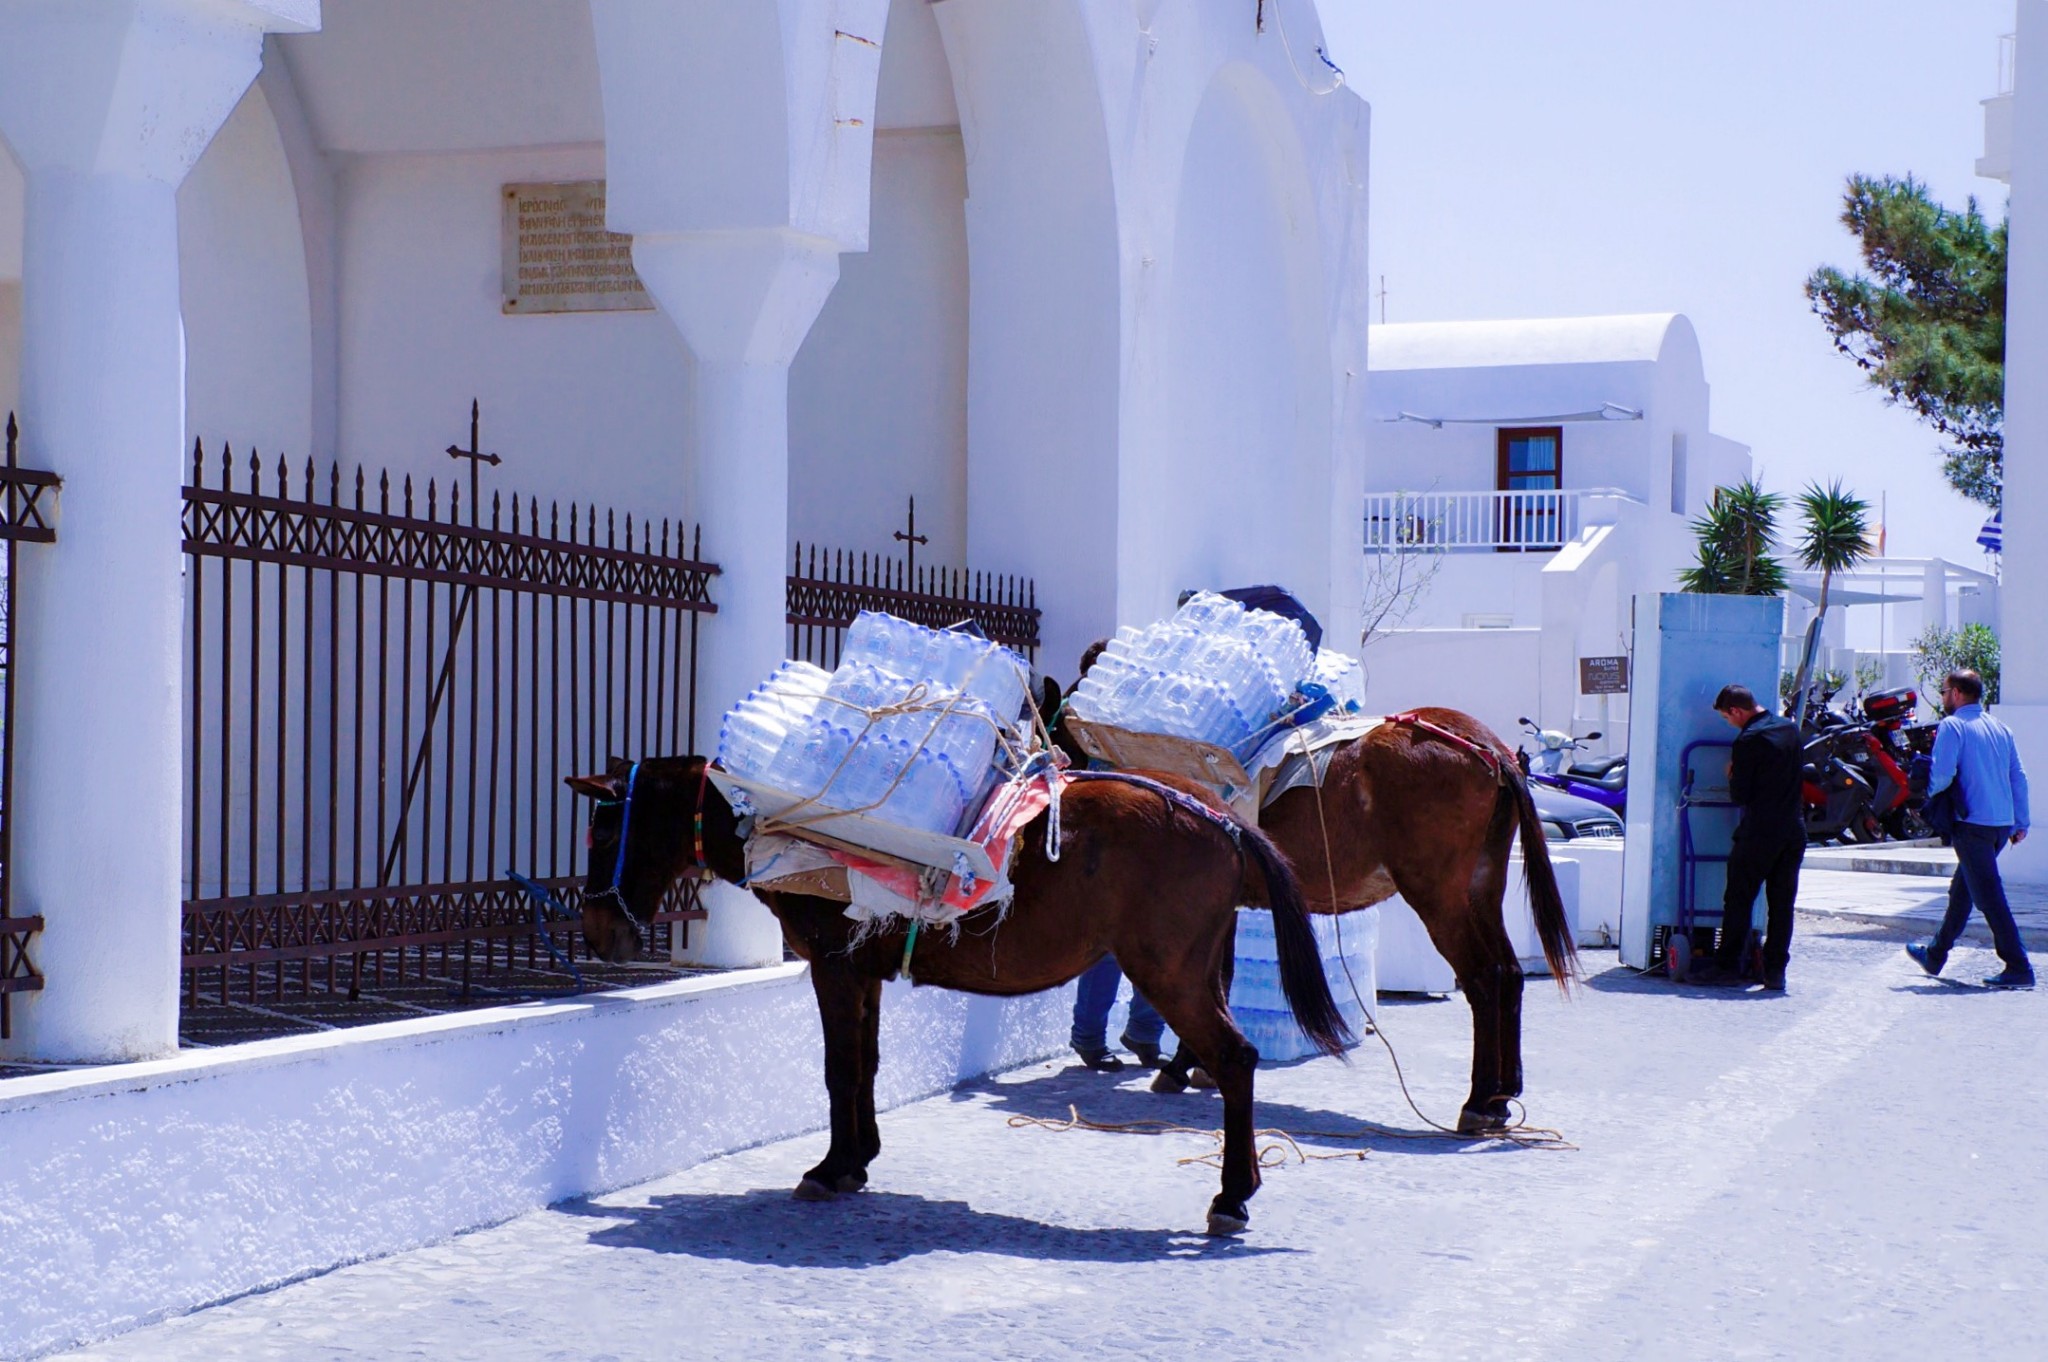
<point>1773,866</point>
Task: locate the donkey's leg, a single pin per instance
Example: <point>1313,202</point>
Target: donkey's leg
<point>870,1062</point>
<point>1475,943</point>
<point>1193,1003</point>
<point>1486,910</point>
<point>841,999</point>
<point>1174,1074</point>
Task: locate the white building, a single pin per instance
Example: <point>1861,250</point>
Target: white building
<point>2016,150</point>
<point>1073,274</point>
<point>1536,475</point>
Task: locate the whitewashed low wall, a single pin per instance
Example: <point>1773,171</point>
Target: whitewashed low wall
<point>1408,963</point>
<point>134,1192</point>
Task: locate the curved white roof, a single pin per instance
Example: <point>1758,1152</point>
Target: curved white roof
<point>1633,339</point>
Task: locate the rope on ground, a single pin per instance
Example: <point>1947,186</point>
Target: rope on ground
<point>1517,1132</point>
<point>1282,1146</point>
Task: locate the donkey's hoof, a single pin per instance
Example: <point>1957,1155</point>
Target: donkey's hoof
<point>851,1182</point>
<point>1223,1224</point>
<point>1199,1077</point>
<point>1169,1080</point>
<point>1476,1122</point>
<point>810,1189</point>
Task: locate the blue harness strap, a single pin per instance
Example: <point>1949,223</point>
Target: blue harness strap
<point>1172,796</point>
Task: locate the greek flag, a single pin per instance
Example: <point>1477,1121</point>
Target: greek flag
<point>1992,536</point>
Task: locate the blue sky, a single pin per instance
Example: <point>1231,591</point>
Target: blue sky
<point>1591,156</point>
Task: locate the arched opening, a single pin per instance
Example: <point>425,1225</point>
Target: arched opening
<point>1240,446</point>
<point>242,282</point>
<point>878,394</point>
<point>1045,330</point>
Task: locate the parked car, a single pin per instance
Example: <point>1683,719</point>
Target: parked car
<point>1566,817</point>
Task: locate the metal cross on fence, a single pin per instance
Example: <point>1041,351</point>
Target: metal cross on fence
<point>910,539</point>
<point>475,457</point>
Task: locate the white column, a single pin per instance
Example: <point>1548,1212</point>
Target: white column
<point>107,104</point>
<point>2023,607</point>
<point>744,301</point>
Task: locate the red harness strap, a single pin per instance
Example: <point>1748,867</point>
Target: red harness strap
<point>1487,755</point>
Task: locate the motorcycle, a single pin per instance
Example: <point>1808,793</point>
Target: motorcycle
<point>1857,787</point>
<point>1604,780</point>
<point>1839,799</point>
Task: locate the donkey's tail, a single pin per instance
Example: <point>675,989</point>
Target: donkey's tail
<point>1546,905</point>
<point>1301,965</point>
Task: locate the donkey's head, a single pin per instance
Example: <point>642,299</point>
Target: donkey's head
<point>652,821</point>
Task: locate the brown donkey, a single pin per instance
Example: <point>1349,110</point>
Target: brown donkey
<point>1428,808</point>
<point>1148,870</point>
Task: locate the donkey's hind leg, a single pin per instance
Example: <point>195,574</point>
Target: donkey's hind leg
<point>843,1008</point>
<point>1464,924</point>
<point>1177,1073</point>
<point>1195,1009</point>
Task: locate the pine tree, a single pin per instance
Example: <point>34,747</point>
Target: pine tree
<point>1927,323</point>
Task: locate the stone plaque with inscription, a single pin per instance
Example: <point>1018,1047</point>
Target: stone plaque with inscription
<point>558,257</point>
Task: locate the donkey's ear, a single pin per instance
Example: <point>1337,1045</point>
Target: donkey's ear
<point>617,766</point>
<point>608,786</point>
<point>1048,698</point>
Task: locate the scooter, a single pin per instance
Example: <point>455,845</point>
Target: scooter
<point>1604,780</point>
<point>1838,798</point>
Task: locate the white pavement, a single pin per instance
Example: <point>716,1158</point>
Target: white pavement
<point>1849,1170</point>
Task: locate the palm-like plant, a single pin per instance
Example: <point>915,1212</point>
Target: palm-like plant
<point>1735,537</point>
<point>1834,537</point>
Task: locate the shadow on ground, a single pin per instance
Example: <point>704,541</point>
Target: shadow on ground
<point>867,1229</point>
<point>1099,1098</point>
<point>1622,979</point>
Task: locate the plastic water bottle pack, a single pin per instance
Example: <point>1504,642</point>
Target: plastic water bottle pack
<point>907,729</point>
<point>1215,672</point>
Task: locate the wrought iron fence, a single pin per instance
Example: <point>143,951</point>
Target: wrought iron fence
<point>829,587</point>
<point>24,519</point>
<point>386,689</point>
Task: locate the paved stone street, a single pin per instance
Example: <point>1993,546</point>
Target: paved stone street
<point>1849,1170</point>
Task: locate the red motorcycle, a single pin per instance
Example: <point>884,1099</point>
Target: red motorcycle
<point>1856,786</point>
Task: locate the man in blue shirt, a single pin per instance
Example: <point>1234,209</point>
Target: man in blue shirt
<point>1976,753</point>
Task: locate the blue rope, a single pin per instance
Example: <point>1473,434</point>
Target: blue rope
<point>1172,796</point>
<point>546,908</point>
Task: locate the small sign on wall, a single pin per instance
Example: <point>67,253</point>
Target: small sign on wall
<point>1603,676</point>
<point>558,255</point>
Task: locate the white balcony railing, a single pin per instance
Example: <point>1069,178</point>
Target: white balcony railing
<point>1423,522</point>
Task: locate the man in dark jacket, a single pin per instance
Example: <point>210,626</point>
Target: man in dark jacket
<point>1770,841</point>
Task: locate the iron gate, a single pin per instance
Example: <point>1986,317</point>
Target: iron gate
<point>23,520</point>
<point>829,587</point>
<point>386,689</point>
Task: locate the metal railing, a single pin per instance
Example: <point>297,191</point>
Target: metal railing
<point>24,519</point>
<point>385,692</point>
<point>829,587</point>
<point>1419,522</point>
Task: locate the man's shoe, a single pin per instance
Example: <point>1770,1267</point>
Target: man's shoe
<point>1147,1051</point>
<point>1774,980</point>
<point>1100,1058</point>
<point>2010,978</point>
<point>1924,956</point>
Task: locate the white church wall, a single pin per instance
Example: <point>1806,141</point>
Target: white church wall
<point>242,278</point>
<point>1489,673</point>
<point>11,209</point>
<point>582,406</point>
<point>878,393</point>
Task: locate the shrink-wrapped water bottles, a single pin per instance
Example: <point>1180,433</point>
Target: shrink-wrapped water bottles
<point>908,729</point>
<point>1215,672</point>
